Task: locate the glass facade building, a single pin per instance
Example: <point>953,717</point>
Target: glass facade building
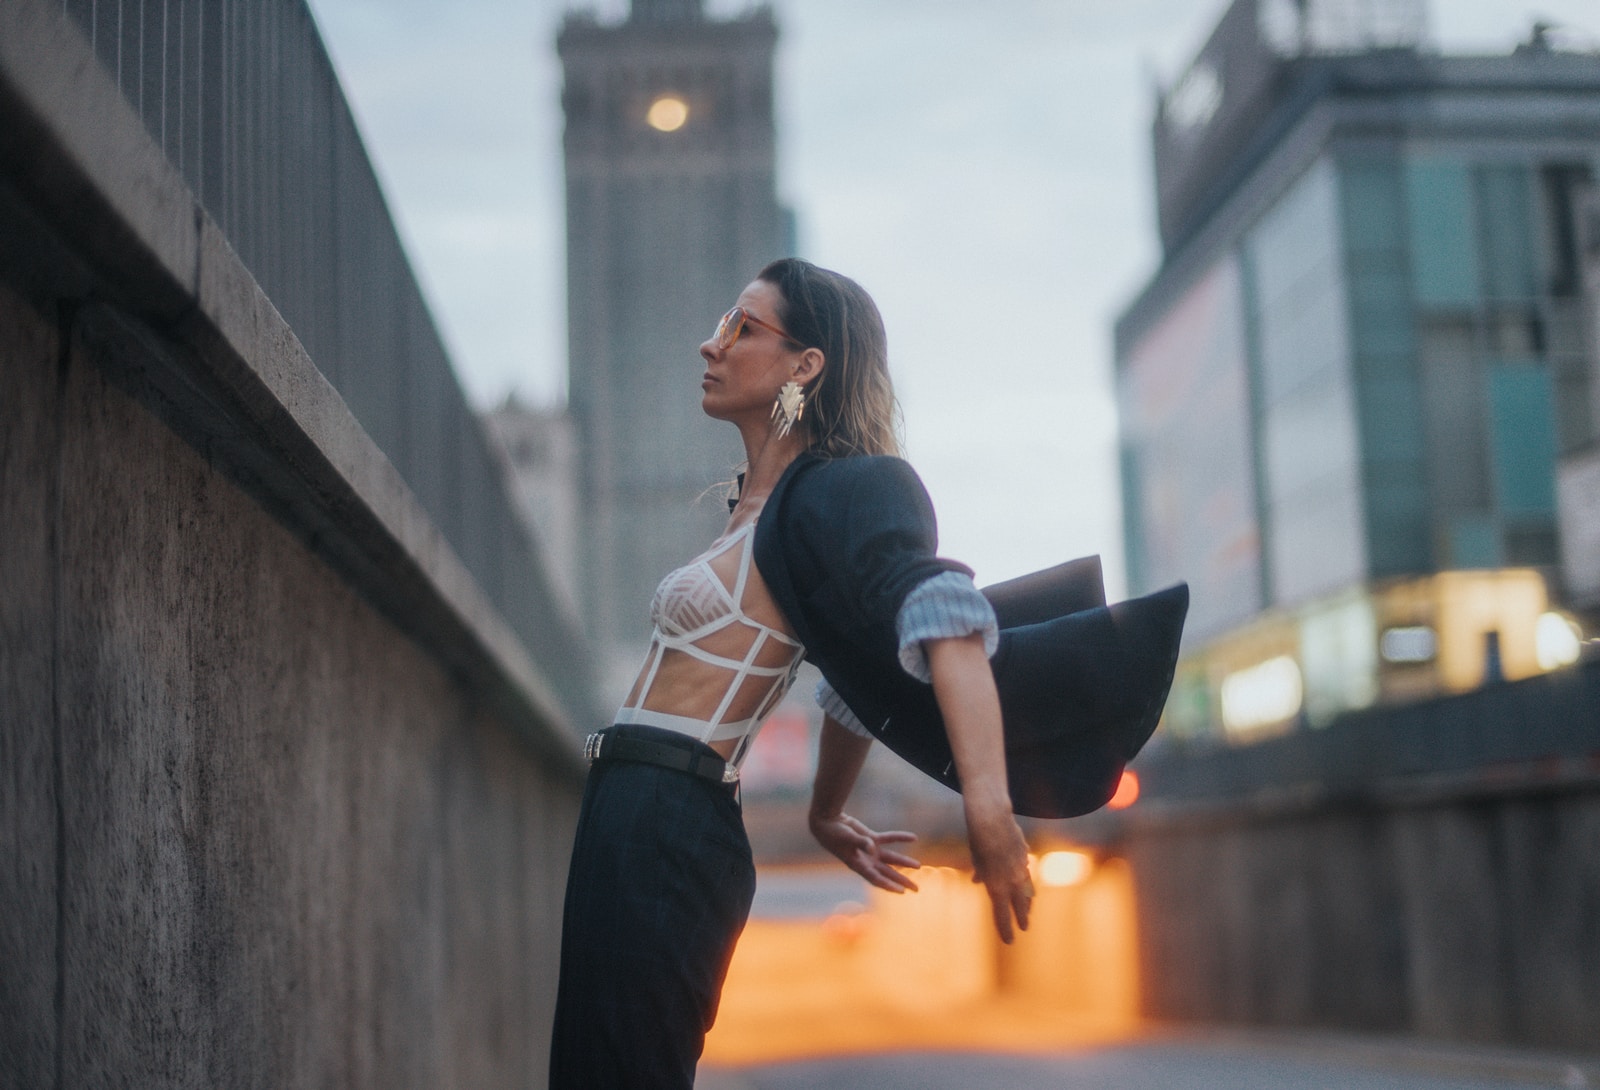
<point>1359,363</point>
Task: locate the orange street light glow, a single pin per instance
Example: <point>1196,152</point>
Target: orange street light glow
<point>1127,792</point>
<point>1064,868</point>
<point>925,971</point>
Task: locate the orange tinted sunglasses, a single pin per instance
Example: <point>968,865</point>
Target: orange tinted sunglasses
<point>732,325</point>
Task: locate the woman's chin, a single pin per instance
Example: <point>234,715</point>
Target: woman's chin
<point>716,408</point>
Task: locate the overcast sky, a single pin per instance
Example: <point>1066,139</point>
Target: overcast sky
<point>982,168</point>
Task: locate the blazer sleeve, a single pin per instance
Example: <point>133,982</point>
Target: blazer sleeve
<point>883,538</point>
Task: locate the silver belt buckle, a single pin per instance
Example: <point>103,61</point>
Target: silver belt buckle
<point>591,746</point>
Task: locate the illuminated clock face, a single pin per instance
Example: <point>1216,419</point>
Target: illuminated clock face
<point>668,113</point>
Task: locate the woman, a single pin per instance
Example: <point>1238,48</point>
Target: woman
<point>828,554</point>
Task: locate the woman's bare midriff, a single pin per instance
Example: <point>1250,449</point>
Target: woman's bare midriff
<point>686,686</point>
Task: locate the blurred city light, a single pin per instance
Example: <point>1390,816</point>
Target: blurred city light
<point>1262,695</point>
<point>1127,792</point>
<point>1064,868</point>
<point>1557,641</point>
<point>1409,643</point>
<point>1407,640</point>
<point>926,970</point>
<point>1472,604</point>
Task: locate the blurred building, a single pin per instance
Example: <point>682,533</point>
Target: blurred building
<point>1578,474</point>
<point>541,453</point>
<point>1345,393</point>
<point>671,209</point>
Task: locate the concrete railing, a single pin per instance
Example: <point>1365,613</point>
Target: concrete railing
<point>1540,727</point>
<point>1428,869</point>
<point>287,728</point>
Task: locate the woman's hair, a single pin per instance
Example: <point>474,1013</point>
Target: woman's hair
<point>851,408</point>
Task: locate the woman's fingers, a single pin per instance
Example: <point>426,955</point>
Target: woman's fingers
<point>1000,862</point>
<point>1009,897</point>
<point>888,879</point>
<point>880,873</point>
<point>863,850</point>
<point>893,881</point>
<point>898,836</point>
<point>1022,902</point>
<point>1002,918</point>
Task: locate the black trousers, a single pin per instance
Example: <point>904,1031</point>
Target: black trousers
<point>658,891</point>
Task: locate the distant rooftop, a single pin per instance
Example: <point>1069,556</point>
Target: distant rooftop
<point>1269,61</point>
<point>666,11</point>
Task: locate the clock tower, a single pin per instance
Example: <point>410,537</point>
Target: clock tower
<point>671,209</point>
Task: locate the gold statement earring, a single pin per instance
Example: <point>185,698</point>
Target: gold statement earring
<point>789,407</point>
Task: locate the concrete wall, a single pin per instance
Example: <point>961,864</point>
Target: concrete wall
<point>1472,919</point>
<point>1431,870</point>
<point>283,799</point>
<point>253,834</point>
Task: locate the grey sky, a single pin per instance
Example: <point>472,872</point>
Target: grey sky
<point>982,169</point>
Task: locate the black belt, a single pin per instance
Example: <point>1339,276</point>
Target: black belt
<point>681,753</point>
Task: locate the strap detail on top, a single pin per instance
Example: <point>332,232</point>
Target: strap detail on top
<point>691,604</point>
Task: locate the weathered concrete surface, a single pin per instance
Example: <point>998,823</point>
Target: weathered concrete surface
<point>284,800</point>
<point>1472,916</point>
<point>1430,868</point>
<point>254,834</point>
<point>28,767</point>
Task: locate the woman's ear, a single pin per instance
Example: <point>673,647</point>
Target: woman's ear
<point>809,366</point>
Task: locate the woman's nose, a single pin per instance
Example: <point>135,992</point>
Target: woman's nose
<point>708,348</point>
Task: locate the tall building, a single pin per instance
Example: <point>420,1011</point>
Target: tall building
<point>671,209</point>
<point>540,454</point>
<point>1344,393</point>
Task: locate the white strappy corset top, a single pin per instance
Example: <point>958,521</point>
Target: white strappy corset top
<point>694,608</point>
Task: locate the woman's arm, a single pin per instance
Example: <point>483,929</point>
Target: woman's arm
<point>840,756</point>
<point>964,686</point>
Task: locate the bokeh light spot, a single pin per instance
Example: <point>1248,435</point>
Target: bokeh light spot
<point>1064,868</point>
<point>1127,792</point>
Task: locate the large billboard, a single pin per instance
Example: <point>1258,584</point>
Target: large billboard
<point>1183,394</point>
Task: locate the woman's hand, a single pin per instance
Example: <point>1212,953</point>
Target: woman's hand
<point>1000,862</point>
<point>865,852</point>
<point>840,755</point>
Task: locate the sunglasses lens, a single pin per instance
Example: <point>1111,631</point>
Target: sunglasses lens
<point>730,327</point>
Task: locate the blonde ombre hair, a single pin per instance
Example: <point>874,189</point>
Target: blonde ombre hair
<point>850,407</point>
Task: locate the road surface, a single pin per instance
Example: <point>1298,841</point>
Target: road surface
<point>1223,1061</point>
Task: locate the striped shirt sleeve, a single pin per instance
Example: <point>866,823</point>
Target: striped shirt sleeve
<point>945,606</point>
<point>833,706</point>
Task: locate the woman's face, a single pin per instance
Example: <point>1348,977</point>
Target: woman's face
<point>743,379</point>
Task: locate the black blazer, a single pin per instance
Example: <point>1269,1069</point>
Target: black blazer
<point>841,543</point>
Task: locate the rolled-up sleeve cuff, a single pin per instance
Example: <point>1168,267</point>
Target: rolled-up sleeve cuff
<point>947,606</point>
<point>834,707</point>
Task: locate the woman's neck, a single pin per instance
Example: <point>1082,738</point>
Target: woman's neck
<point>767,455</point>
